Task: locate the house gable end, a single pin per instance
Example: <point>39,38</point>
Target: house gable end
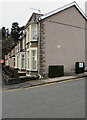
<point>70,16</point>
<point>73,4</point>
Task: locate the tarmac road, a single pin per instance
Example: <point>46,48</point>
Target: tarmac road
<point>58,100</point>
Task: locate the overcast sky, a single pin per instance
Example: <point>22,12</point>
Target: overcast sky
<point>19,10</point>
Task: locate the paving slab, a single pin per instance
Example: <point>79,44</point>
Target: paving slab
<point>41,82</point>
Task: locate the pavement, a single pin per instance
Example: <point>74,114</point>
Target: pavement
<point>43,81</point>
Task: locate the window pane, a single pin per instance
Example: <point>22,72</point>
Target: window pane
<point>33,59</point>
<point>28,60</point>
<point>28,34</point>
<point>17,62</point>
<point>34,32</point>
<point>23,61</point>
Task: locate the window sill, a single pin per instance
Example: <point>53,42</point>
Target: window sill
<point>32,70</point>
<point>33,41</point>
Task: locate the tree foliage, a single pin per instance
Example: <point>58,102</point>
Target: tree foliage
<point>3,32</point>
<point>6,41</point>
<point>16,31</point>
<point>10,38</point>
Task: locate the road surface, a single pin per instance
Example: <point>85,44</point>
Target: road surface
<point>59,100</point>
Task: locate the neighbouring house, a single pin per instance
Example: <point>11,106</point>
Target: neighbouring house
<point>10,58</point>
<point>56,38</point>
<point>15,58</point>
<point>6,60</point>
<point>20,54</point>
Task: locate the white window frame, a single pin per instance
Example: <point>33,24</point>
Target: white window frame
<point>17,61</point>
<point>27,34</point>
<point>29,59</point>
<point>22,61</point>
<point>33,49</point>
<point>23,42</point>
<point>33,32</point>
<point>33,61</point>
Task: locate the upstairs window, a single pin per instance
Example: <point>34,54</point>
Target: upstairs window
<point>34,32</point>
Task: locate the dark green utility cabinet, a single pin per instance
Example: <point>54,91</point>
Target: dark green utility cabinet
<point>56,71</point>
<point>79,67</point>
<point>16,75</point>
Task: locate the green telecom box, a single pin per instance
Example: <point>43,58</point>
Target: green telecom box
<point>79,67</point>
<point>56,71</point>
<point>16,75</point>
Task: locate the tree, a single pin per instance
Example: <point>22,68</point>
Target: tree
<point>3,32</point>
<point>10,38</point>
<point>21,30</point>
<point>16,31</point>
<point>6,40</point>
<point>7,32</point>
